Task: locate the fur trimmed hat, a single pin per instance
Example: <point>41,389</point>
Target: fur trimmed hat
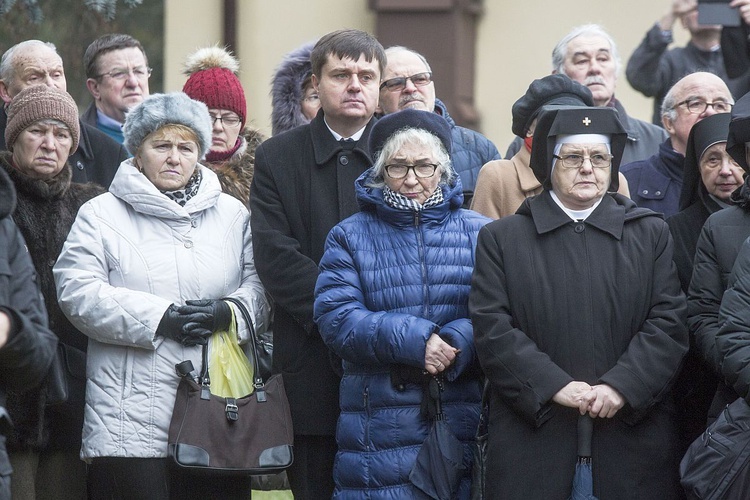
<point>286,90</point>
<point>386,126</point>
<point>158,110</point>
<point>212,80</point>
<point>39,103</point>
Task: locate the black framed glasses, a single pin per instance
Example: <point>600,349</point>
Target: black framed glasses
<point>698,106</point>
<point>575,161</point>
<point>399,84</point>
<point>140,72</point>
<point>401,170</point>
<point>226,120</point>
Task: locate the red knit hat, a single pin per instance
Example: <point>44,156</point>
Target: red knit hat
<point>213,80</point>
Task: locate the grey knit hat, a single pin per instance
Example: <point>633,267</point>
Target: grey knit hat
<point>41,103</point>
<point>158,110</point>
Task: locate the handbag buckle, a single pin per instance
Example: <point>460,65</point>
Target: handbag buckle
<point>232,410</point>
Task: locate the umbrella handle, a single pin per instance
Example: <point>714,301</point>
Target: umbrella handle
<point>585,432</point>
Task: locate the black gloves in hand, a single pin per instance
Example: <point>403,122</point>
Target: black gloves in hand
<point>193,323</point>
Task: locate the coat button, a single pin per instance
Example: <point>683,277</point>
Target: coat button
<point>344,160</point>
<point>645,191</point>
<point>658,193</point>
<point>79,165</point>
<point>579,228</point>
<point>51,262</point>
<point>188,244</point>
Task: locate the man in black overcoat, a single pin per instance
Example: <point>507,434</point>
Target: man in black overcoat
<point>303,186</point>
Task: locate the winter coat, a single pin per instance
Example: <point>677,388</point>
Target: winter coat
<point>717,248</point>
<point>643,138</point>
<point>652,69</point>
<point>95,160</point>
<point>236,173</point>
<point>28,353</point>
<point>389,279</point>
<point>656,183</point>
<point>44,214</point>
<point>553,301</point>
<point>302,187</point>
<point>470,151</point>
<point>502,185</point>
<point>130,254</point>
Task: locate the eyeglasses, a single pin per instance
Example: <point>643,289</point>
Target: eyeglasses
<point>401,170</point>
<point>226,120</point>
<point>575,161</point>
<point>399,84</point>
<point>698,106</point>
<point>140,72</point>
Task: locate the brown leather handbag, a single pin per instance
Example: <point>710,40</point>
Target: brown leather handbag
<point>243,436</point>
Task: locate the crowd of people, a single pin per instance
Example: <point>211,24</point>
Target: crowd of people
<point>598,273</point>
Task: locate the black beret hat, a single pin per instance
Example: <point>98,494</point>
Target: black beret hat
<point>386,126</point>
<point>551,90</point>
<point>565,120</point>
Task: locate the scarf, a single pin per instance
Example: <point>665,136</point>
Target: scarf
<point>397,200</point>
<point>181,196</point>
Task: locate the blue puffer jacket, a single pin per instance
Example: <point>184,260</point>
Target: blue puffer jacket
<point>471,150</point>
<point>389,278</point>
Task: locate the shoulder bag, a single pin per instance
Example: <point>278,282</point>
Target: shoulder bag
<point>243,436</point>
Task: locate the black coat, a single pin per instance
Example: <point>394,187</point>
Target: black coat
<point>303,186</point>
<point>97,158</point>
<point>26,357</point>
<point>555,301</point>
<point>45,213</point>
<point>718,245</point>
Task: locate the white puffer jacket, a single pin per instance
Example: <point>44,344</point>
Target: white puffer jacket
<point>130,254</point>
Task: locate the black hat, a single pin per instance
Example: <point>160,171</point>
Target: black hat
<point>739,132</point>
<point>551,90</point>
<point>386,126</point>
<point>565,120</point>
<point>703,135</point>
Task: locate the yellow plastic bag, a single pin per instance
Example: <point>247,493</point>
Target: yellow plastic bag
<point>230,371</point>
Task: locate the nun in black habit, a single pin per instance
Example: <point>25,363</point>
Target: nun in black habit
<point>577,309</point>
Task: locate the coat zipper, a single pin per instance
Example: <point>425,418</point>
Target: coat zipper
<point>366,403</point>
<point>422,264</point>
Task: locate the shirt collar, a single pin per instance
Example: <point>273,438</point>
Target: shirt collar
<point>355,137</point>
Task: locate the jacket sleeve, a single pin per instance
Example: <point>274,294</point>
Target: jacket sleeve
<point>488,192</point>
<point>287,273</point>
<point>459,333</point>
<point>733,335</point>
<point>648,70</point>
<point>647,369</point>
<point>735,49</point>
<point>26,356</point>
<point>523,375</point>
<point>704,298</point>
<point>106,313</point>
<point>349,328</point>
<point>251,291</point>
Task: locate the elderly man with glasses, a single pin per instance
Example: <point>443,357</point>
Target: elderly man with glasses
<point>407,83</point>
<point>117,75</point>
<point>656,182</point>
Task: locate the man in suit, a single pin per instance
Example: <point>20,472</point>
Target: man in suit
<point>34,62</point>
<point>303,186</point>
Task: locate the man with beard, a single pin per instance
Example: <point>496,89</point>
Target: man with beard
<point>407,83</point>
<point>589,56</point>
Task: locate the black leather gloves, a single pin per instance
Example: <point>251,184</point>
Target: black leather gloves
<point>194,322</point>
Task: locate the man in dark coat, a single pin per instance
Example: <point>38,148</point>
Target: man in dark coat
<point>27,347</point>
<point>407,84</point>
<point>578,313</point>
<point>303,186</point>
<point>656,182</point>
<point>34,62</point>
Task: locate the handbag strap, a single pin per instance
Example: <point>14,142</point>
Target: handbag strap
<point>258,383</point>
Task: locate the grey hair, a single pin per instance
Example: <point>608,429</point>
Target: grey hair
<point>668,105</point>
<point>411,135</point>
<point>400,48</point>
<point>561,49</point>
<point>7,71</point>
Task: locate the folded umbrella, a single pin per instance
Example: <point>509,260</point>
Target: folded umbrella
<point>583,480</point>
<point>439,467</point>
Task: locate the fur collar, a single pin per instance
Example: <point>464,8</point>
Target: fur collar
<point>286,90</point>
<point>236,173</point>
<point>48,189</point>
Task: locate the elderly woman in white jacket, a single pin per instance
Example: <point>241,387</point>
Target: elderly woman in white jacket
<point>141,274</point>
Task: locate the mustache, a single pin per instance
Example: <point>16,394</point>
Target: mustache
<point>409,98</point>
<point>594,79</point>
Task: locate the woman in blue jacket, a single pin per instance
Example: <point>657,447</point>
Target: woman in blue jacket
<point>392,299</point>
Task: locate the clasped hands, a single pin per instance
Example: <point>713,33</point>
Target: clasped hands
<point>597,400</point>
<point>194,322</point>
<point>438,355</point>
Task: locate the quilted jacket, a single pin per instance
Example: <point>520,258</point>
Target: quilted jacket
<point>389,278</point>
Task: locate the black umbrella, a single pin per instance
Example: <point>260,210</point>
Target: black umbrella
<point>439,466</point>
<point>583,481</point>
